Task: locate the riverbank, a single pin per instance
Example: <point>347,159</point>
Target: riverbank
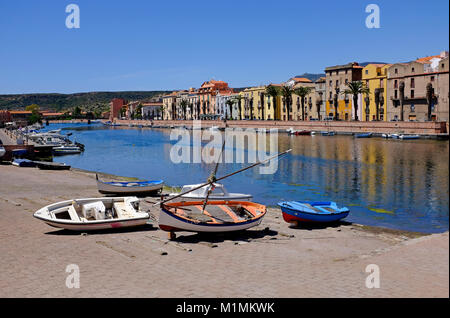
<point>271,260</point>
<point>435,130</point>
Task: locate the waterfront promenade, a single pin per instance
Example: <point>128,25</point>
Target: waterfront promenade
<point>271,260</point>
<point>432,129</point>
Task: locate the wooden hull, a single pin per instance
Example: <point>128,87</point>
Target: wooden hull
<point>171,222</point>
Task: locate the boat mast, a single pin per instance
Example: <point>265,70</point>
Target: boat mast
<point>212,177</point>
<point>224,177</point>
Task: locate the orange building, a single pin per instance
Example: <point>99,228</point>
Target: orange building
<point>207,95</point>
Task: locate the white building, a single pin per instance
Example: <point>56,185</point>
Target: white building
<point>221,107</point>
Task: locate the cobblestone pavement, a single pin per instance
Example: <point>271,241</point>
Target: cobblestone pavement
<point>274,262</point>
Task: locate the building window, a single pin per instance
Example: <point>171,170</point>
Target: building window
<point>367,72</point>
<point>396,71</point>
<point>337,82</point>
<point>412,93</point>
<point>432,78</point>
<point>395,94</point>
<point>412,70</point>
<point>413,108</point>
<point>395,84</point>
<point>331,83</point>
<point>412,83</point>
<point>346,81</point>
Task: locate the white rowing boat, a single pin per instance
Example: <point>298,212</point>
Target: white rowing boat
<point>218,192</point>
<point>93,214</point>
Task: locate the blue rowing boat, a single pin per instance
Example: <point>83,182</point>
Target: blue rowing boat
<point>134,187</point>
<point>312,211</point>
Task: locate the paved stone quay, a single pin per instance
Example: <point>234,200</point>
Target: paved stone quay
<point>271,260</point>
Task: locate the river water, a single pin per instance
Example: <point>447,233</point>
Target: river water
<point>400,184</point>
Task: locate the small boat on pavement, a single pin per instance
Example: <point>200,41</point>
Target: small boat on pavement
<point>93,214</point>
<point>363,135</point>
<point>217,192</point>
<point>409,137</point>
<point>311,211</point>
<point>2,151</point>
<point>327,133</point>
<point>23,163</point>
<point>66,150</point>
<point>134,187</point>
<point>217,216</point>
<point>45,165</point>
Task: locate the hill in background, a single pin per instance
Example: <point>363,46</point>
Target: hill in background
<point>311,77</point>
<point>60,102</point>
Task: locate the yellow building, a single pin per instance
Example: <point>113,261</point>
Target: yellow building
<point>256,104</point>
<point>375,78</point>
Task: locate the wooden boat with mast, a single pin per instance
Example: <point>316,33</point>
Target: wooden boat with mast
<point>212,216</point>
<point>217,216</point>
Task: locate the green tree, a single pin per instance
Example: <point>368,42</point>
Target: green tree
<point>35,114</point>
<point>273,92</point>
<point>355,88</point>
<point>286,92</point>
<point>303,91</point>
<point>184,103</point>
<point>138,112</point>
<point>76,113</point>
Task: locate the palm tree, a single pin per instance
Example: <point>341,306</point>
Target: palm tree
<point>286,92</point>
<point>355,88</point>
<point>230,102</point>
<point>303,91</point>
<point>273,92</point>
<point>184,104</point>
<point>238,99</point>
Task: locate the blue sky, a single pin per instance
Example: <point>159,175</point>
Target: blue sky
<point>156,45</point>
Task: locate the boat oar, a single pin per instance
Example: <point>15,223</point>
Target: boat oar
<point>224,177</point>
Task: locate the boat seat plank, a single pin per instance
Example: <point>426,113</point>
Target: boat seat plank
<point>121,210</point>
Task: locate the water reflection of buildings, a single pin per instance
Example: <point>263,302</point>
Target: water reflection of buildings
<point>392,174</point>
